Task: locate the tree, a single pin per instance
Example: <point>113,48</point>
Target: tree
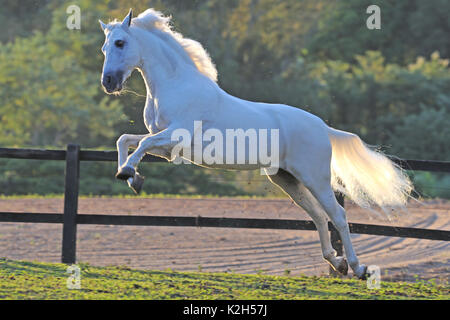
<point>409,28</point>
<point>372,96</point>
<point>48,98</point>
<point>424,135</point>
<point>21,18</point>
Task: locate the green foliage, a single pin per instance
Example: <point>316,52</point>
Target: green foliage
<point>389,104</point>
<point>48,98</point>
<point>409,28</point>
<point>432,185</point>
<point>21,17</point>
<point>33,280</point>
<point>43,177</point>
<point>31,177</point>
<point>413,138</point>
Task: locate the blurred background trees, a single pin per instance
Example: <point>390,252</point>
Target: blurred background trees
<point>390,86</point>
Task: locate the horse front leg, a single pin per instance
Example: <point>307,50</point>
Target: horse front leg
<point>124,143</point>
<point>159,144</point>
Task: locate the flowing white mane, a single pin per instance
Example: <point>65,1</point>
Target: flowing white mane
<point>152,19</point>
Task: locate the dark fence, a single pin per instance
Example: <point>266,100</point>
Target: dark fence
<point>70,217</point>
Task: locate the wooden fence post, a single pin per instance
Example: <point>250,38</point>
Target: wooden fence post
<point>69,236</point>
<point>335,237</point>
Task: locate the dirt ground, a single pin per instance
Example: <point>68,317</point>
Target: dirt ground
<point>219,249</point>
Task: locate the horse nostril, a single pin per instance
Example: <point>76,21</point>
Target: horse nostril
<point>109,81</point>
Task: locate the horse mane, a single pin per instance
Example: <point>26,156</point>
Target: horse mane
<point>151,19</point>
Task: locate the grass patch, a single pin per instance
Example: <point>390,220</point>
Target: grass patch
<point>35,280</point>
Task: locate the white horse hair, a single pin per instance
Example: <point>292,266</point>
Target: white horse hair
<point>181,88</point>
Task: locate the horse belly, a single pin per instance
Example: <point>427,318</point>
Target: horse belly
<point>245,154</point>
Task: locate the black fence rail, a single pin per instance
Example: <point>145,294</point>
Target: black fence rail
<point>70,218</point>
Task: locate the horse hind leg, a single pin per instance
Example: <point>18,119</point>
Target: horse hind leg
<point>303,198</point>
<point>320,187</point>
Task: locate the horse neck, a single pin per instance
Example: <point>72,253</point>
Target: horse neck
<point>161,63</point>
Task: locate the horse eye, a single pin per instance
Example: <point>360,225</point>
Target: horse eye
<point>119,43</point>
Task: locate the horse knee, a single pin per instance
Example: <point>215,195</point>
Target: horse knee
<point>123,139</point>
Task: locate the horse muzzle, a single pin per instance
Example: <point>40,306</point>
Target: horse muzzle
<point>112,81</point>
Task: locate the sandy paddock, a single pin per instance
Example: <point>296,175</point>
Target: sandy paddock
<point>219,249</point>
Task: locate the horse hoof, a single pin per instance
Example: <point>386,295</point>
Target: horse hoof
<point>362,272</point>
<point>125,172</point>
<point>342,266</point>
<point>137,183</point>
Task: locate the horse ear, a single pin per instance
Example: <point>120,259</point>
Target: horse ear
<point>127,21</point>
<point>102,25</point>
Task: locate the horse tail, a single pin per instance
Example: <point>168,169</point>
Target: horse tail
<point>365,175</point>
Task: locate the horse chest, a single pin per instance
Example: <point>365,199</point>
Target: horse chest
<point>154,119</point>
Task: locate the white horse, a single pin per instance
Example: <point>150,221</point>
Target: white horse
<point>181,87</point>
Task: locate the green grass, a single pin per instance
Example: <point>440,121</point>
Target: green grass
<point>35,280</point>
